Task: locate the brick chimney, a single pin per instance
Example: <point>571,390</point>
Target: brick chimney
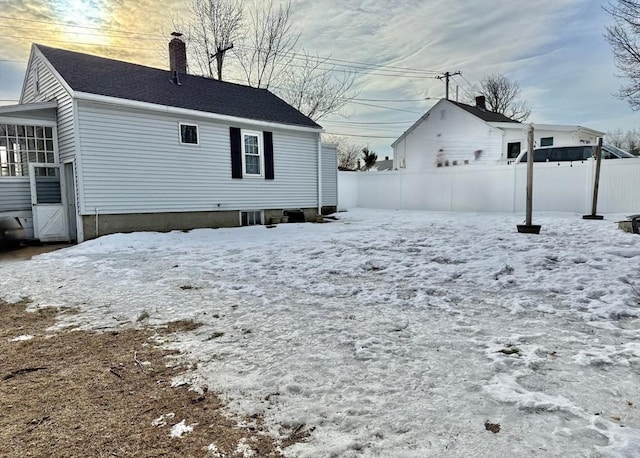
<point>481,102</point>
<point>177,54</point>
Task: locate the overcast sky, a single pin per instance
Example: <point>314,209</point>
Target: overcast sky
<point>554,48</point>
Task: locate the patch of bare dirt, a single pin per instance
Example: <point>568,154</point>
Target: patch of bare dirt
<point>78,393</point>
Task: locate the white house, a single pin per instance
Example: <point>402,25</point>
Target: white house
<point>455,134</point>
<point>98,146</point>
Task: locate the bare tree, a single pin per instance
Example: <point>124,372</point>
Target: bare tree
<point>616,138</point>
<point>632,142</point>
<point>211,31</point>
<point>503,96</point>
<point>315,88</point>
<point>348,153</point>
<point>268,45</point>
<point>265,54</point>
<point>624,38</point>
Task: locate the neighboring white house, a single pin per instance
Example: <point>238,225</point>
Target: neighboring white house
<point>98,146</point>
<point>455,134</point>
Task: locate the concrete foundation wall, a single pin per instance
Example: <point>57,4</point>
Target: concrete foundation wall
<point>165,222</point>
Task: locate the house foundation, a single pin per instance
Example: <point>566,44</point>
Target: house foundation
<point>103,224</point>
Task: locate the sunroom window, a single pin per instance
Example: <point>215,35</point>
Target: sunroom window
<point>21,144</point>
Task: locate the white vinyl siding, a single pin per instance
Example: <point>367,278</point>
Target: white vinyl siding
<point>133,164</point>
<point>452,139</point>
<point>329,175</point>
<point>16,194</point>
<point>51,89</point>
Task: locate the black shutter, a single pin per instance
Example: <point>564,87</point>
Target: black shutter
<point>268,156</point>
<point>236,152</point>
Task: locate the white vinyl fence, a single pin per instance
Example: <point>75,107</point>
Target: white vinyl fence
<point>497,188</point>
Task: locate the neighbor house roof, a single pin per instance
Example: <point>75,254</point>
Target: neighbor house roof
<point>485,115</point>
<point>113,78</point>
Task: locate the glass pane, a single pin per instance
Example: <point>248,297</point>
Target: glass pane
<point>40,132</point>
<point>49,145</point>
<point>21,131</point>
<point>253,164</point>
<point>11,131</point>
<point>50,159</point>
<point>32,156</point>
<point>40,145</point>
<point>3,130</point>
<point>48,132</point>
<point>31,131</point>
<point>189,134</point>
<point>41,156</point>
<point>31,144</point>
<point>47,186</point>
<point>251,144</point>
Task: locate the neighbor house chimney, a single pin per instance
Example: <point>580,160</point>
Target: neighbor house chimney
<point>481,102</point>
<point>177,54</point>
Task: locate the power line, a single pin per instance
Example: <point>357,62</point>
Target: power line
<point>386,108</point>
<point>369,123</point>
<point>97,45</point>
<point>469,94</point>
<point>78,33</point>
<point>360,136</point>
<point>77,26</point>
<point>397,70</point>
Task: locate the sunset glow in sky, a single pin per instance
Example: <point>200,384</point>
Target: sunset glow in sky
<point>554,48</point>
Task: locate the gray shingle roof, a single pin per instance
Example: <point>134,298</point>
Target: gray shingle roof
<point>485,115</point>
<point>113,78</point>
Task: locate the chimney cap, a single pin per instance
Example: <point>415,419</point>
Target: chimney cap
<point>481,102</point>
<point>176,34</point>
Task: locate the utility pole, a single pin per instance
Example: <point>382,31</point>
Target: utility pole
<point>219,56</point>
<point>446,77</point>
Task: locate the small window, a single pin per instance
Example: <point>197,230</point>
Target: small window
<point>252,153</point>
<point>188,134</point>
<point>251,218</point>
<point>546,141</point>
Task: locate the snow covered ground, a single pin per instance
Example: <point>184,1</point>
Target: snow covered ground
<point>389,333</point>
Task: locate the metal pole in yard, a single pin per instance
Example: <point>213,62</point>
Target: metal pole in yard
<point>596,184</point>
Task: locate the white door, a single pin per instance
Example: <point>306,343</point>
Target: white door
<point>48,203</point>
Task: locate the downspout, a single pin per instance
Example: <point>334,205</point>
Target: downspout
<point>96,222</point>
<point>319,175</point>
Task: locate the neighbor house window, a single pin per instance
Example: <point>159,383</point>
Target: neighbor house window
<point>546,141</point>
<point>20,145</point>
<point>252,153</point>
<point>513,150</point>
<point>188,134</point>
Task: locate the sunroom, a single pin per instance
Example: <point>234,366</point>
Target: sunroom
<point>32,185</point>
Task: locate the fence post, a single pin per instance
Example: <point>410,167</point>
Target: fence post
<point>529,228</point>
<point>596,184</point>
